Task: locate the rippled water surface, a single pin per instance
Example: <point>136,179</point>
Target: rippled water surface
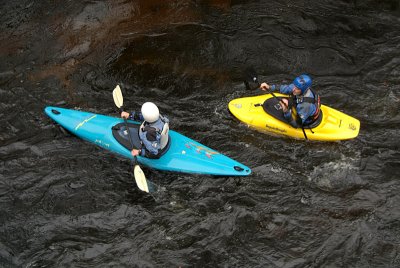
<point>67,203</point>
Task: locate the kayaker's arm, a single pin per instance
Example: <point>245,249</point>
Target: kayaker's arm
<point>287,113</point>
<point>135,116</point>
<point>284,89</point>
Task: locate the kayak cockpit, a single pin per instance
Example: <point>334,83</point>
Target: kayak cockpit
<point>272,107</point>
<point>122,136</point>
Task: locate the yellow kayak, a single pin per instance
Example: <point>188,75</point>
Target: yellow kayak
<point>264,113</point>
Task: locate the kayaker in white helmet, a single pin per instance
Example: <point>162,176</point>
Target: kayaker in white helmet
<point>303,99</point>
<point>153,132</point>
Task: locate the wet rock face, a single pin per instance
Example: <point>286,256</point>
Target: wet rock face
<point>64,202</point>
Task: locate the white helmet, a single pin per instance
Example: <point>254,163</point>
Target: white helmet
<point>150,112</point>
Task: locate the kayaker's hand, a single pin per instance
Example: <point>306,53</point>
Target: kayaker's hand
<point>264,86</point>
<point>135,152</point>
<point>124,115</point>
<point>284,104</point>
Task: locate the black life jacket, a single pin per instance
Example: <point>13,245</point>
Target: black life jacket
<point>295,100</point>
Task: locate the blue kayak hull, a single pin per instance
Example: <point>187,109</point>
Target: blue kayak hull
<point>183,155</point>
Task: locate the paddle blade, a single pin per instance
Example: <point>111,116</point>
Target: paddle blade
<point>251,75</point>
<point>141,181</point>
<point>250,78</point>
<point>117,96</point>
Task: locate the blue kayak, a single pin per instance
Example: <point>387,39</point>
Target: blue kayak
<point>182,154</point>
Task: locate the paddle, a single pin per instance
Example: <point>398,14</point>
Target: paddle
<point>252,77</point>
<point>141,181</point>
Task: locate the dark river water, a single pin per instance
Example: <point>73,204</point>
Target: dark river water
<point>67,203</point>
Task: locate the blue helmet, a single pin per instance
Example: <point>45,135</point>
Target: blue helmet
<point>302,82</point>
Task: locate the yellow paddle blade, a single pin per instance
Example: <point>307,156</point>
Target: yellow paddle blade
<point>117,96</point>
<point>140,179</point>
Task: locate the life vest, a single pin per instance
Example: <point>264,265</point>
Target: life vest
<point>155,128</point>
<point>295,100</point>
<point>164,136</point>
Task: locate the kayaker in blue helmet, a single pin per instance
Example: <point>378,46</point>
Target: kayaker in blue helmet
<point>153,132</point>
<point>303,99</point>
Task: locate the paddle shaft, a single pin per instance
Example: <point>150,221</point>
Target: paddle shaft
<point>273,95</point>
<point>302,127</point>
<point>129,135</point>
